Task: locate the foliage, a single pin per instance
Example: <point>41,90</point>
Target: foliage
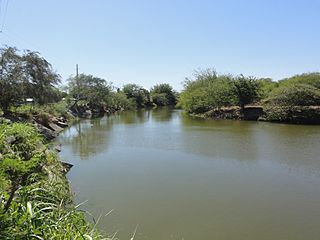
<point>160,99</point>
<point>312,79</point>
<point>163,94</point>
<point>11,80</point>
<point>295,95</point>
<point>26,76</point>
<point>20,155</point>
<point>93,90</point>
<point>293,114</point>
<point>207,91</point>
<point>119,101</point>
<point>58,109</point>
<point>40,78</point>
<point>36,202</point>
<point>266,87</point>
<point>140,95</point>
<point>246,90</point>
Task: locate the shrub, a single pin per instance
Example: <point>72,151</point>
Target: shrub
<point>246,90</point>
<point>207,91</point>
<point>312,79</point>
<point>35,199</point>
<point>295,95</point>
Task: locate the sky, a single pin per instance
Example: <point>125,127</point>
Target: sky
<point>150,42</point>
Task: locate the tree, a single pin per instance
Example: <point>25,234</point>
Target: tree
<point>138,93</point>
<point>207,91</point>
<point>119,101</point>
<point>93,90</point>
<point>246,90</point>
<point>26,76</point>
<point>163,94</point>
<point>11,78</point>
<point>40,78</point>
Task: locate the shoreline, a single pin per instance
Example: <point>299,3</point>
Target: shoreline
<point>309,115</point>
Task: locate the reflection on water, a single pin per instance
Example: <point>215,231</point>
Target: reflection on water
<point>162,114</point>
<point>88,137</point>
<point>186,178</point>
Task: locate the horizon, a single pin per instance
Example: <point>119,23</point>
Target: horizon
<point>149,42</point>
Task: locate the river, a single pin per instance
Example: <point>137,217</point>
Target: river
<point>170,176</point>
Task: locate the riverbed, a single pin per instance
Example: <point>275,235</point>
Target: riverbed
<point>170,176</point>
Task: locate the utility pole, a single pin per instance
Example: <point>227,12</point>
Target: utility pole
<point>77,70</point>
<point>78,90</point>
<point>77,81</point>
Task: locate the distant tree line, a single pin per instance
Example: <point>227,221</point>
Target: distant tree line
<point>98,94</point>
<point>26,75</point>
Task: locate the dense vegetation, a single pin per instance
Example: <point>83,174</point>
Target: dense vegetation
<point>164,95</point>
<point>208,90</point>
<point>283,100</point>
<point>26,75</point>
<point>35,198</point>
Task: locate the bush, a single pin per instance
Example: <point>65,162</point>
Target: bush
<point>295,95</point>
<point>293,114</point>
<point>246,90</point>
<point>119,101</point>
<point>35,199</point>
<point>312,79</point>
<point>207,91</point>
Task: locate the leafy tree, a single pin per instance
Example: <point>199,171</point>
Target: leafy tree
<point>92,91</point>
<point>194,100</point>
<point>10,78</point>
<point>23,76</point>
<point>247,90</point>
<point>138,93</point>
<point>40,78</point>
<point>160,99</point>
<point>207,91</point>
<point>163,94</point>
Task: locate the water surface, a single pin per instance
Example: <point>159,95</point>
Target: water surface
<point>177,177</point>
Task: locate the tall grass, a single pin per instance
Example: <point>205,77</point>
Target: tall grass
<point>35,198</point>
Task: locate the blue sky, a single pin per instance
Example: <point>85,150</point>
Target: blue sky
<point>149,42</point>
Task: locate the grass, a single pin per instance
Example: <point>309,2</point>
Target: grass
<point>36,202</point>
<point>59,109</point>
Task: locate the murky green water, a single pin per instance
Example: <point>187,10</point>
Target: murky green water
<point>176,177</point>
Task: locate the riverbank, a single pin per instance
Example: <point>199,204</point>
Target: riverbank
<point>280,114</point>
<point>36,199</point>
